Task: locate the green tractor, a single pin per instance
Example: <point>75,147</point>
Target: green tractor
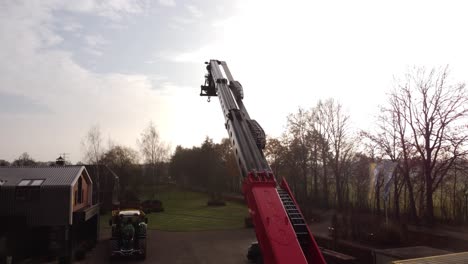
<point>128,233</point>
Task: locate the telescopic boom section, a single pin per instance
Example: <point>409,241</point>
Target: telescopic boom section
<point>281,230</point>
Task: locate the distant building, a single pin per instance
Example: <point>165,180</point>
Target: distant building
<point>47,211</point>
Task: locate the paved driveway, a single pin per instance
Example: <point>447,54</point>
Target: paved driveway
<point>202,247</point>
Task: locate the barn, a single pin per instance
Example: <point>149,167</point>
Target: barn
<point>46,211</point>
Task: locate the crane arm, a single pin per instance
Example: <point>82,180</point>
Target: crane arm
<point>281,230</point>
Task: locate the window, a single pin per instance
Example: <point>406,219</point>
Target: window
<point>80,190</point>
<point>37,182</point>
<point>24,182</point>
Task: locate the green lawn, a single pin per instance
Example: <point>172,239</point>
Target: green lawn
<point>187,211</point>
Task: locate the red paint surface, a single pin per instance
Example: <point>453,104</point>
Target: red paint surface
<point>274,231</point>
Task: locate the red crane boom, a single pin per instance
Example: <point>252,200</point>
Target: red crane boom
<point>280,227</point>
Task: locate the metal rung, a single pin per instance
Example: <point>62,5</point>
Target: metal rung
<point>298,221</point>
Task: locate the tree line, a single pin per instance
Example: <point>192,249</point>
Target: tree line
<point>146,166</point>
<point>210,167</point>
<point>125,161</point>
<point>421,129</point>
<point>412,164</point>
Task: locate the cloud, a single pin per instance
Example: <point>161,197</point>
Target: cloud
<point>13,104</point>
<point>95,40</point>
<point>194,11</point>
<point>315,50</point>
<point>167,3</point>
<point>72,27</point>
<point>113,10</point>
<point>36,77</point>
<point>210,51</point>
<point>178,21</point>
<point>93,51</point>
<point>94,44</point>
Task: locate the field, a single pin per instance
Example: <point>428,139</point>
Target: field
<point>187,211</point>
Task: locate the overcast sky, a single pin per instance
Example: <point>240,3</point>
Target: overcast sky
<point>68,65</point>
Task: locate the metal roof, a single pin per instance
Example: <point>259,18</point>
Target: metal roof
<point>129,212</point>
<point>456,258</point>
<point>411,252</point>
<point>53,176</point>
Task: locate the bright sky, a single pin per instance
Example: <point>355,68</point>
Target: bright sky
<point>68,65</point>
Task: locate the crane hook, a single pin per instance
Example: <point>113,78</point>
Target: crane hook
<point>209,99</point>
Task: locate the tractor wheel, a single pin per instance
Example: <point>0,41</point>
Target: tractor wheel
<point>142,247</point>
<point>114,244</point>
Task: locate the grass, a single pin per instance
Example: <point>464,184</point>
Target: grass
<point>187,211</point>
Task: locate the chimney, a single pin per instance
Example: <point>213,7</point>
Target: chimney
<point>60,161</point>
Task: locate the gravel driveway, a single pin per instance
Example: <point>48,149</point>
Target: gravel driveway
<point>201,247</point>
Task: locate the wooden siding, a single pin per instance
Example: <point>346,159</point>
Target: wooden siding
<point>85,194</point>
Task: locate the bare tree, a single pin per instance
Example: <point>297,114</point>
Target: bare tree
<point>298,129</point>
<point>432,108</point>
<point>93,151</point>
<point>92,145</point>
<point>390,141</point>
<point>24,160</point>
<point>153,149</point>
<point>318,124</point>
<point>123,161</point>
<point>404,151</point>
<point>273,153</point>
<point>336,125</point>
